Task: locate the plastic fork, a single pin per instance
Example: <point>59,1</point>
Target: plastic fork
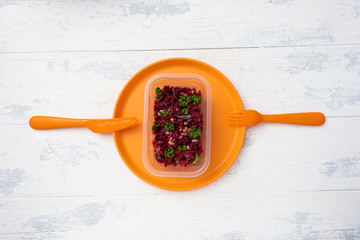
<point>95,125</point>
<point>252,118</point>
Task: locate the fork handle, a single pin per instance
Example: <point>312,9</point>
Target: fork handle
<point>309,118</point>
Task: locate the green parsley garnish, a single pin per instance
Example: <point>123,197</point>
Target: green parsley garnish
<point>185,111</point>
<point>158,92</point>
<point>196,160</point>
<point>196,99</point>
<point>170,153</point>
<point>182,148</point>
<point>164,112</point>
<point>184,100</point>
<point>194,132</point>
<point>169,126</point>
<point>159,157</point>
<point>155,126</point>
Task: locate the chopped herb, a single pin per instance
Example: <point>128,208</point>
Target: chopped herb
<point>159,157</point>
<point>170,153</point>
<point>164,112</point>
<point>196,99</point>
<point>155,126</point>
<point>194,132</point>
<point>158,92</point>
<point>185,111</point>
<point>196,160</point>
<point>169,126</point>
<point>184,100</point>
<point>182,148</point>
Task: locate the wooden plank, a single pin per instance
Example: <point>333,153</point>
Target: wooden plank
<point>315,215</point>
<point>272,80</point>
<point>274,158</point>
<point>31,26</point>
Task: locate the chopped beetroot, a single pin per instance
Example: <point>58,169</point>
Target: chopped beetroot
<point>178,125</point>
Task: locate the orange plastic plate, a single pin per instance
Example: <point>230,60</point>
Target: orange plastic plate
<point>226,140</point>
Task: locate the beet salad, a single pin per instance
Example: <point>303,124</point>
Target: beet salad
<point>177,126</point>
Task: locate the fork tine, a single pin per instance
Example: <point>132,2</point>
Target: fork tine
<point>235,116</point>
<point>235,113</point>
<point>236,122</point>
<point>235,119</point>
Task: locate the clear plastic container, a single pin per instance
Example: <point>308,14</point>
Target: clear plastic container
<point>176,80</point>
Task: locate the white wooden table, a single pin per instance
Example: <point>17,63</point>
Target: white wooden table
<point>72,58</point>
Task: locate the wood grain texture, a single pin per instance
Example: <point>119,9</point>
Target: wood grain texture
<point>320,215</point>
<point>72,58</point>
<point>267,79</point>
<point>160,24</point>
<point>274,158</point>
